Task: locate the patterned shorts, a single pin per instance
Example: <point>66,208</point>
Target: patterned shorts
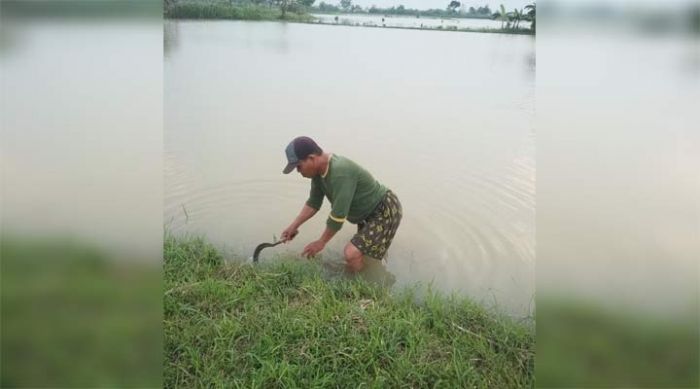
<point>375,233</point>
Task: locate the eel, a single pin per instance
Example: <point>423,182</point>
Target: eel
<point>262,246</point>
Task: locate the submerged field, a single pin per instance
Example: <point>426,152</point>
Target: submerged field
<point>291,324</point>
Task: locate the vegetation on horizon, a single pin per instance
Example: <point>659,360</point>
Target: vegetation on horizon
<point>453,10</point>
<point>511,20</point>
<point>290,324</point>
<point>290,10</point>
<point>299,10</point>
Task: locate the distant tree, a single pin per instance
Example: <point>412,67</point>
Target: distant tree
<point>356,8</point>
<point>516,16</point>
<point>472,10</point>
<point>283,4</point>
<point>452,7</point>
<point>287,6</point>
<point>694,18</point>
<point>325,7</point>
<point>502,15</point>
<point>345,4</point>
<point>484,11</point>
<point>306,3</point>
<point>531,15</point>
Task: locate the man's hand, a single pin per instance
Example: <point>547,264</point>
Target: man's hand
<point>288,234</point>
<point>313,248</point>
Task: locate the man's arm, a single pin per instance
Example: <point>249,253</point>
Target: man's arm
<point>290,232</point>
<point>317,246</point>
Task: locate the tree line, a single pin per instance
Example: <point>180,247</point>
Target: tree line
<point>510,20</point>
<point>453,9</point>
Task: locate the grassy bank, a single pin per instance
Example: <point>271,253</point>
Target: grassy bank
<point>286,324</point>
<point>74,316</point>
<point>583,344</point>
<point>187,10</point>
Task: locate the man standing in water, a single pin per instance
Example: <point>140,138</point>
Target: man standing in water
<point>355,196</point>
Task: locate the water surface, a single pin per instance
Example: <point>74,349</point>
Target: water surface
<point>443,119</point>
<point>413,22</point>
<point>81,118</point>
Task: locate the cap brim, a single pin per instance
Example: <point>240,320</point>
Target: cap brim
<point>290,166</point>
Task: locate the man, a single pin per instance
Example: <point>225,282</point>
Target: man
<point>355,197</point>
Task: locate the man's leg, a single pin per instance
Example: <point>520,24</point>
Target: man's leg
<point>353,258</point>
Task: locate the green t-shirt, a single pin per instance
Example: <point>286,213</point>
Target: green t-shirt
<point>352,191</point>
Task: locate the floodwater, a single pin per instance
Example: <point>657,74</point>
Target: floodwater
<point>443,119</point>
<point>81,117</point>
<point>413,22</point>
<point>618,158</point>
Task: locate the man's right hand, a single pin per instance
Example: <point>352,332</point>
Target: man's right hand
<point>289,233</point>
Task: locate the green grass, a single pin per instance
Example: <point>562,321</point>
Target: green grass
<point>74,317</point>
<point>288,323</point>
<point>203,10</point>
<point>582,344</point>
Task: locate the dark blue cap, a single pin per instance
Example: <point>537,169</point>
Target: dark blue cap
<point>298,149</point>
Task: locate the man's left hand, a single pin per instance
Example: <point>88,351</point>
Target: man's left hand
<point>313,248</point>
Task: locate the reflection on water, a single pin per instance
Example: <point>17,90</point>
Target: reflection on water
<point>444,120</point>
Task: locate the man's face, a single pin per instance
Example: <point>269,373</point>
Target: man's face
<point>305,167</point>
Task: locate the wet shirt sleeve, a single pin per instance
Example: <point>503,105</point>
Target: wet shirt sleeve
<point>344,191</point>
<point>315,196</point>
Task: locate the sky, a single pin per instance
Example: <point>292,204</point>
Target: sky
<point>442,4</point>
